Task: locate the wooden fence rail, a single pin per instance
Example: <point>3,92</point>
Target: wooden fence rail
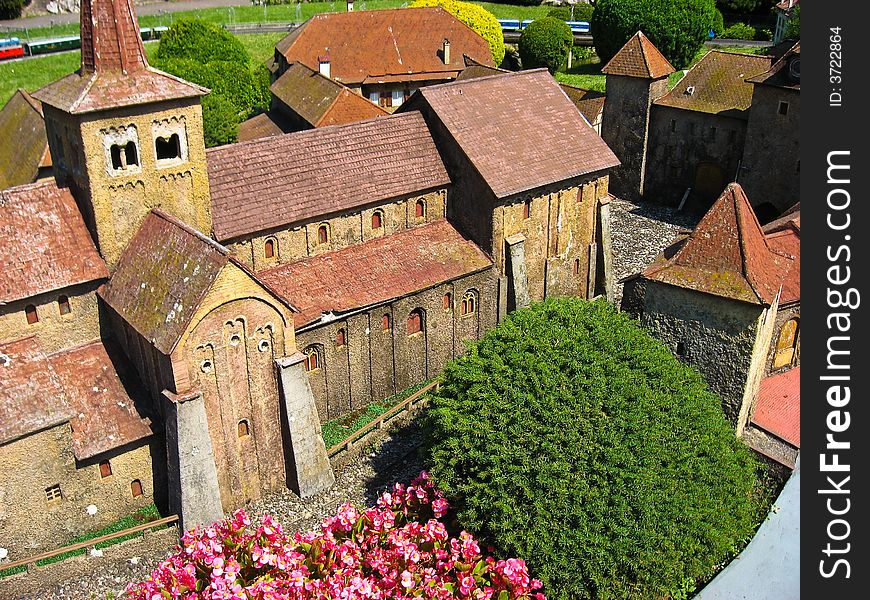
<point>89,543</point>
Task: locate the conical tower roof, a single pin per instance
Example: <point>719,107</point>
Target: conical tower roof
<point>639,58</point>
<point>726,255</point>
<point>114,70</point>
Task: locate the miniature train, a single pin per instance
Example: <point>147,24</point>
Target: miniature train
<point>13,47</point>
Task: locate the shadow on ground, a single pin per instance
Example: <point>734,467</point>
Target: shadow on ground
<point>397,459</point>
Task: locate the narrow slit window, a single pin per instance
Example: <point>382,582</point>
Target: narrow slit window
<point>448,301</point>
<point>420,209</point>
<point>783,108</point>
<point>63,305</point>
<point>168,148</point>
<point>527,209</point>
<point>269,249</point>
<point>115,151</point>
<point>385,323</point>
<point>377,220</point>
<point>31,314</point>
<point>131,154</point>
<point>322,234</point>
<point>136,488</point>
<point>105,469</point>
<point>244,428</point>
<point>415,322</point>
<point>576,266</point>
<point>340,338</point>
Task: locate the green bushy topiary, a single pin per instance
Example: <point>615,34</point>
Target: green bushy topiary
<point>545,43</point>
<point>739,31</point>
<point>572,438</point>
<point>678,28</point>
<point>220,120</point>
<point>201,41</point>
<point>477,18</point>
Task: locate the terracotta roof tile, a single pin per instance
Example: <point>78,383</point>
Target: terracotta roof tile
<point>639,58</point>
<point>21,120</point>
<point>44,243</point>
<point>726,255</point>
<point>97,387</point>
<point>519,130</point>
<point>373,43</point>
<point>260,126</point>
<point>276,181</point>
<point>110,36</point>
<point>788,241</point>
<point>31,397</point>
<point>718,84</point>
<point>588,102</point>
<point>319,100</point>
<point>376,271</point>
<point>778,410</point>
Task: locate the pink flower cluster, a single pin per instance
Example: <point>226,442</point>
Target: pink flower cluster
<point>397,549</point>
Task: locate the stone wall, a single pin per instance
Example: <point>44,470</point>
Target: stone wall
<point>301,240</point>
<point>679,141</point>
<point>715,335</point>
<point>772,155</point>
<point>32,523</point>
<point>55,331</point>
<point>379,358</point>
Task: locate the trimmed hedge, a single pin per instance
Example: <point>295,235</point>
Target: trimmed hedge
<point>582,12</point>
<point>545,43</point>
<point>11,9</point>
<point>199,40</point>
<point>678,28</point>
<point>570,437</point>
<point>478,18</point>
<point>739,31</point>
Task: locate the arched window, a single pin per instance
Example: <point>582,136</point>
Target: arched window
<point>527,209</point>
<point>420,209</point>
<point>312,358</point>
<point>786,344</point>
<point>415,321</point>
<point>323,234</point>
<point>136,488</point>
<point>469,303</point>
<point>63,305</point>
<point>244,429</point>
<point>386,325</point>
<point>448,301</point>
<point>377,219</point>
<point>269,248</point>
<point>30,313</point>
<point>105,469</point>
<point>340,338</point>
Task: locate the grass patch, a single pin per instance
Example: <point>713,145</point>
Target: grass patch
<point>584,75</point>
<point>340,429</point>
<point>141,516</point>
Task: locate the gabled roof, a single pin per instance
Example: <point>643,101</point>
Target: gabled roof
<point>102,393</point>
<point>114,71</point>
<point>778,410</point>
<point>519,130</point>
<point>726,255</point>
<point>639,58</point>
<point>320,101</point>
<point>162,277</point>
<point>784,72</point>
<point>376,271</point>
<point>785,238</point>
<point>44,243</point>
<point>31,396</point>
<point>263,125</point>
<point>275,181</point>
<point>21,120</point>
<point>718,84</point>
<point>392,42</point>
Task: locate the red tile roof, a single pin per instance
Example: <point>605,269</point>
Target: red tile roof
<point>31,396</point>
<point>374,43</point>
<point>105,416</point>
<point>519,130</point>
<point>21,120</point>
<point>260,126</point>
<point>376,271</point>
<point>727,255</point>
<point>114,69</point>
<point>639,58</point>
<point>276,181</point>
<point>162,276</point>
<point>778,410</point>
<point>788,241</point>
<point>44,244</point>
<point>718,84</point>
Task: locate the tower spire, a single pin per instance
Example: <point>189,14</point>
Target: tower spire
<point>110,37</point>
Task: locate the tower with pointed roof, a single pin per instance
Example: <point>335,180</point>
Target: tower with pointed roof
<point>637,75</point>
<point>126,137</point>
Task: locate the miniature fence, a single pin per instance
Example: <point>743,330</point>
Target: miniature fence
<point>26,562</point>
<point>416,400</point>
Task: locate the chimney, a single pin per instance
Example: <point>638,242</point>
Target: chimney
<point>324,65</point>
<point>446,51</point>
<point>349,5</point>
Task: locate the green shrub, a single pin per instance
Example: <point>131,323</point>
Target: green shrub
<point>560,12</point>
<point>11,9</point>
<point>739,31</point>
<point>201,41</point>
<point>478,18</point>
<point>545,43</point>
<point>741,6</point>
<point>582,12</point>
<point>570,437</point>
<point>718,23</point>
<point>793,27</point>
<point>678,28</point>
<point>220,120</point>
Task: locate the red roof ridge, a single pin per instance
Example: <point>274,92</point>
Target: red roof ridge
<point>110,37</point>
<point>625,61</point>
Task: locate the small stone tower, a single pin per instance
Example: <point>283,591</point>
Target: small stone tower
<point>125,136</point>
<point>637,75</point>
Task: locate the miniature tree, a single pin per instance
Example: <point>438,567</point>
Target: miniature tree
<point>545,43</point>
<point>477,18</point>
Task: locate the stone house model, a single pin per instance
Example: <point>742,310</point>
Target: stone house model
<point>726,299</point>
<point>175,323</point>
<point>722,122</point>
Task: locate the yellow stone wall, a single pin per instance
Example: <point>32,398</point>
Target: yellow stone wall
<point>54,331</point>
<point>31,523</point>
<point>345,230</point>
